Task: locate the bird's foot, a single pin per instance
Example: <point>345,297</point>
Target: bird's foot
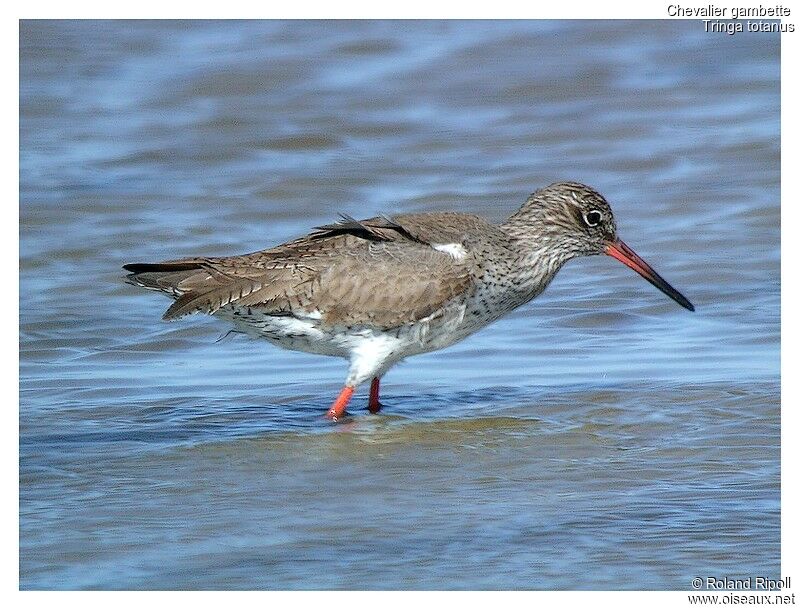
<point>374,405</point>
<point>340,404</point>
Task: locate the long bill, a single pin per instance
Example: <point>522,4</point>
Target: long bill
<point>619,250</point>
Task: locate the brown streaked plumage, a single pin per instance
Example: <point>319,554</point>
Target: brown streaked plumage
<point>378,290</point>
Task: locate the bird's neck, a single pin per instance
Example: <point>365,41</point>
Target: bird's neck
<point>533,261</point>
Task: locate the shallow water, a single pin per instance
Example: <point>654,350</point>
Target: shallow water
<point>599,437</point>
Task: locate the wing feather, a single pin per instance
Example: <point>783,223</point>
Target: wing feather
<point>379,272</point>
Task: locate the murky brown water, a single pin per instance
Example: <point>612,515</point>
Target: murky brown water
<point>600,437</point>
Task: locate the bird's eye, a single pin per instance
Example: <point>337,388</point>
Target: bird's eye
<point>593,218</point>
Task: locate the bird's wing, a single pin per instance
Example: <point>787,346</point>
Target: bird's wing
<point>378,272</point>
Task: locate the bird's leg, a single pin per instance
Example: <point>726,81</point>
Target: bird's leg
<point>374,404</point>
<point>340,404</point>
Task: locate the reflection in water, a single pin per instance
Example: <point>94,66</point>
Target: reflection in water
<point>599,437</point>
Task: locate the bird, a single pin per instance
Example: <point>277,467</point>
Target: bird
<point>379,290</point>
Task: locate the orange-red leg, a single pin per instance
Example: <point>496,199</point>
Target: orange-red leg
<point>340,404</point>
<point>374,404</point>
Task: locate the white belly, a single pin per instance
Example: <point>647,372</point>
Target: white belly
<point>371,351</point>
<point>310,334</point>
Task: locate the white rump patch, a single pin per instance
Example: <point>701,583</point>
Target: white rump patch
<point>457,251</point>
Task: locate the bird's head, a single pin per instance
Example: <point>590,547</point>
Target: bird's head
<point>569,219</point>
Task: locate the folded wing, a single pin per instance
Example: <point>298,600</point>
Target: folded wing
<point>376,272</point>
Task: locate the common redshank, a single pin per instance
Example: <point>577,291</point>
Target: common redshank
<point>379,290</point>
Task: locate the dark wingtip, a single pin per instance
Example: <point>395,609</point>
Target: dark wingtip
<point>176,266</point>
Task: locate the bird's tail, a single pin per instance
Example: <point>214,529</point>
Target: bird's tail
<point>195,284</point>
<point>164,277</point>
<point>174,278</point>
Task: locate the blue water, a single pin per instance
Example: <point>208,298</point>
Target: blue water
<point>598,437</point>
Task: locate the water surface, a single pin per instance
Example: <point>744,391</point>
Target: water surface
<point>599,437</point>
